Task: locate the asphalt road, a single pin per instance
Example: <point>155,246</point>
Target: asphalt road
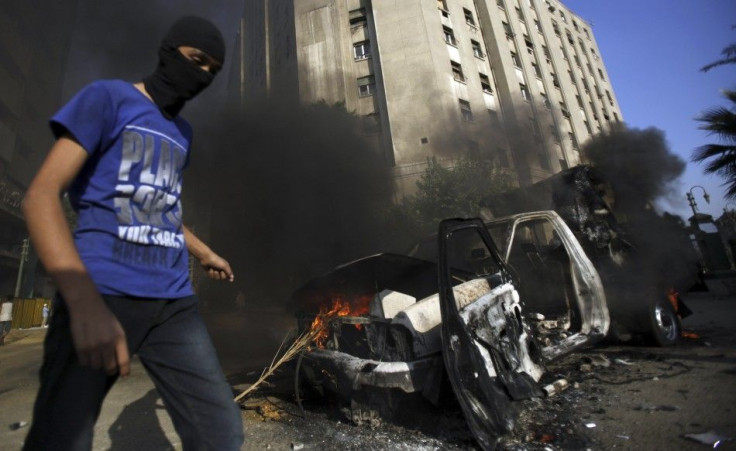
<point>620,397</point>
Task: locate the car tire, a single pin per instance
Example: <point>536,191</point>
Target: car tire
<point>664,324</point>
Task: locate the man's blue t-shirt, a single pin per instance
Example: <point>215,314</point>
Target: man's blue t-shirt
<point>127,195</point>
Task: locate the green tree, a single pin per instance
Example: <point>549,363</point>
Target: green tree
<point>721,158</point>
<point>446,192</point>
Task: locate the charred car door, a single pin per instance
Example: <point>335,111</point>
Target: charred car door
<point>544,300</point>
<point>488,350</point>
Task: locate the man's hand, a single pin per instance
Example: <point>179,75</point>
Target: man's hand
<point>217,267</point>
<point>99,338</point>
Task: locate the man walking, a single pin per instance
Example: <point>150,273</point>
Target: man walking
<point>122,277</point>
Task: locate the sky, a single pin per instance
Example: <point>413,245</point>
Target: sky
<point>653,51</point>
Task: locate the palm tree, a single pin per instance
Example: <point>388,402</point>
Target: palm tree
<point>720,121</point>
<point>729,57</point>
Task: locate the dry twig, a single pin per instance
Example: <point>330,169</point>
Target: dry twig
<point>301,344</point>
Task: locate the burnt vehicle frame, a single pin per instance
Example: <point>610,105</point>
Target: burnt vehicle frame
<point>460,316</point>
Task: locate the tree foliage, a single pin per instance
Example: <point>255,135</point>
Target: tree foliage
<point>448,192</point>
<point>721,122</point>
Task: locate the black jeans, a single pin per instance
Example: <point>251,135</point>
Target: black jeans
<point>172,342</point>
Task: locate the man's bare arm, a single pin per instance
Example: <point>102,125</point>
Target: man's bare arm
<point>98,337</point>
<point>217,267</point>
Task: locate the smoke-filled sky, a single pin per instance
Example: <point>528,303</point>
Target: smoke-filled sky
<point>653,51</point>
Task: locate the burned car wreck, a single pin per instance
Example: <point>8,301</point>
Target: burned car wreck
<point>485,305</point>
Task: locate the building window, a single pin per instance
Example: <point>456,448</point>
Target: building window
<point>600,73</point>
<point>573,140</point>
<point>362,50</point>
<point>485,83</point>
<point>555,81</point>
<point>537,25</point>
<point>449,36</point>
<point>587,127</point>
<point>515,59</point>
<point>457,71</point>
<point>545,100</point>
<point>366,86</point>
<point>529,45</point>
<point>507,30</point>
<point>442,4</point>
<point>563,164</point>
<point>495,119</point>
<point>477,50</point>
<point>469,17</point>
<point>357,18</point>
<point>537,71</point>
<point>564,110</point>
<point>525,92</point>
<point>500,4</point>
<point>575,25</point>
<point>520,14</point>
<point>545,50</point>
<point>465,110</point>
<point>553,132</point>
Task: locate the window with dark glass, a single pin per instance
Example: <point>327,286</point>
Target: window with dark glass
<point>537,70</point>
<point>366,86</point>
<point>477,50</point>
<point>468,17</point>
<point>525,92</point>
<point>457,71</point>
<point>465,110</point>
<point>515,59</point>
<point>449,36</point>
<point>485,83</point>
<point>361,50</point>
<point>357,17</point>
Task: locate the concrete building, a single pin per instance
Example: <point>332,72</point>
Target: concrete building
<point>517,81</point>
<point>34,42</point>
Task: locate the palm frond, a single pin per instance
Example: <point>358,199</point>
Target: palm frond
<point>729,57</point>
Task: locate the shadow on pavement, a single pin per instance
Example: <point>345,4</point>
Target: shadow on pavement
<point>137,426</point>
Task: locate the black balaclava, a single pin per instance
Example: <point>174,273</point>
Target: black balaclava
<point>176,79</point>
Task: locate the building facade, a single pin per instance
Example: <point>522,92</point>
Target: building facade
<point>34,43</point>
<point>520,82</point>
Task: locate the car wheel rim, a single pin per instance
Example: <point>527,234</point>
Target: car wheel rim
<point>665,322</point>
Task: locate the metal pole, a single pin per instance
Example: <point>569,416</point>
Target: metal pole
<point>23,259</point>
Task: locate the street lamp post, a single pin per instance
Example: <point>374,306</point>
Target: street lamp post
<point>691,198</point>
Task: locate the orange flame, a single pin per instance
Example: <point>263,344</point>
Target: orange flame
<point>339,308</point>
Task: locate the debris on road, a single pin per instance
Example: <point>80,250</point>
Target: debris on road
<point>710,438</point>
<point>555,387</point>
<point>17,425</point>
